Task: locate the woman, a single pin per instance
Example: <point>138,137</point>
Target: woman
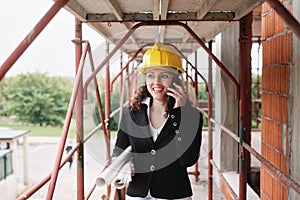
<point>163,130</point>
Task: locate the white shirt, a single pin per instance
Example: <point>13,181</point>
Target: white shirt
<point>154,131</point>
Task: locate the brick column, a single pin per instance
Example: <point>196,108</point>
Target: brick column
<point>277,64</point>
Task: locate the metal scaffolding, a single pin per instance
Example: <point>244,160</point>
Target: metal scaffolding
<point>79,93</point>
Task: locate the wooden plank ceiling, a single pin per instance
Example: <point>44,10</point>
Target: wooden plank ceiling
<point>207,18</point>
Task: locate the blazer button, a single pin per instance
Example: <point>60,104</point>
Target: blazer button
<point>152,167</point>
<point>174,123</point>
<point>172,116</point>
<point>153,152</point>
<point>179,139</point>
<point>177,131</point>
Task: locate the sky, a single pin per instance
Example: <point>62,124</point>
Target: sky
<point>52,52</point>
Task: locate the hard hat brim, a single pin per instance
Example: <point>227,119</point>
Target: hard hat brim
<point>166,68</point>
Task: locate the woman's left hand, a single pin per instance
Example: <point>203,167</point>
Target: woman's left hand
<point>179,95</point>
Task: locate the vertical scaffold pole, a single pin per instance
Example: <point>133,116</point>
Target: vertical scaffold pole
<point>79,115</point>
<point>107,111</point>
<point>245,101</point>
<point>210,149</point>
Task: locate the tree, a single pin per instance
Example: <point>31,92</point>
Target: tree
<point>2,98</point>
<point>256,89</point>
<point>202,93</point>
<point>37,98</point>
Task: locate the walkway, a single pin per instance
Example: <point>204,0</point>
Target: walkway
<point>42,153</point>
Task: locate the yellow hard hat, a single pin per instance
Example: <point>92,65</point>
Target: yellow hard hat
<point>161,55</point>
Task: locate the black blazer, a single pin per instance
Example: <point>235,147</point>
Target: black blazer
<point>161,166</point>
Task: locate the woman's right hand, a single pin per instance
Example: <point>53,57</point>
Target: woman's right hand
<point>178,93</point>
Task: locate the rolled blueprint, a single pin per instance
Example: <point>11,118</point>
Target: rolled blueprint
<point>123,177</point>
<point>110,173</point>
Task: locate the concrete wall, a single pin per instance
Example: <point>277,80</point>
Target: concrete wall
<point>9,188</point>
<point>295,108</point>
<point>225,148</point>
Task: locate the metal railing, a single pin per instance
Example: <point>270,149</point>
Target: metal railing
<point>277,173</point>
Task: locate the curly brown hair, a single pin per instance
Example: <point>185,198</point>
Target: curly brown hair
<point>139,95</point>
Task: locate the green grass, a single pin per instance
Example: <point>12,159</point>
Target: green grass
<point>37,130</point>
<point>41,131</point>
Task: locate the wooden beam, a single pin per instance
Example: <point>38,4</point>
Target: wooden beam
<point>114,7</point>
<point>246,7</point>
<point>76,9</point>
<point>156,10</point>
<point>136,17</point>
<point>118,13</point>
<point>202,11</point>
<point>164,9</point>
<point>163,16</point>
<point>204,8</point>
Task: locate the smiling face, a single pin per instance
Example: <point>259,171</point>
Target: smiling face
<point>158,81</point>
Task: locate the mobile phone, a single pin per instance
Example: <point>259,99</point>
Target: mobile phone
<point>171,102</point>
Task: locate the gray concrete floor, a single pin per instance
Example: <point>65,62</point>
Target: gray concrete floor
<point>42,154</point>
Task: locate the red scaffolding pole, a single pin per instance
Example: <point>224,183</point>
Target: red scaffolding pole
<point>245,101</point>
<point>79,114</point>
<point>210,149</point>
<point>107,112</point>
